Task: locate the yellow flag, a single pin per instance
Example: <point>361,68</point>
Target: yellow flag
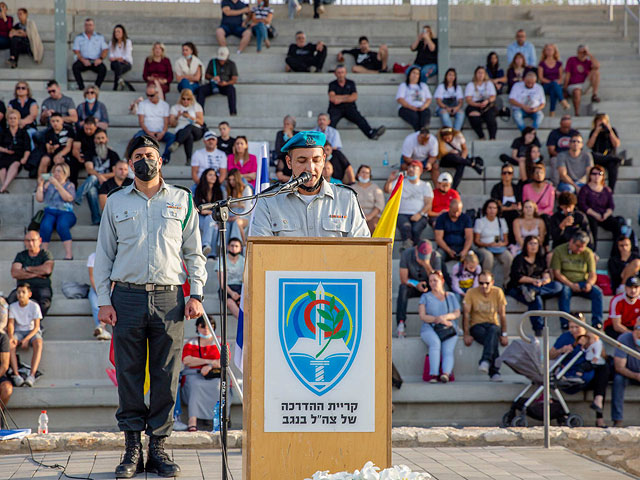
<point>386,227</point>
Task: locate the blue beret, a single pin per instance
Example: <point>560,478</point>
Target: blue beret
<point>308,139</point>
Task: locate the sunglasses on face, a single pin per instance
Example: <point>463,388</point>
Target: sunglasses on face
<point>21,87</point>
<point>484,283</point>
<point>51,91</point>
<point>597,172</point>
<point>151,95</point>
<point>91,92</point>
<point>507,172</point>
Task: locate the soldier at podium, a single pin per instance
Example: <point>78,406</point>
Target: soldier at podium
<point>316,208</point>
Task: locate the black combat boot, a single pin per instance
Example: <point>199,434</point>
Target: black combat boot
<point>158,461</point>
<point>132,462</point>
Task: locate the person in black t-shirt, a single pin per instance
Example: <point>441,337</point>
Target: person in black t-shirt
<point>342,103</point>
<point>426,48</point>
<point>84,147</point>
<point>367,60</point>
<point>568,220</point>
<point>305,57</point>
<point>120,178</point>
<point>520,146</point>
<point>225,140</point>
<point>15,149</point>
<point>58,140</point>
<point>232,12</point>
<point>603,142</point>
<point>6,385</point>
<point>222,75</point>
<point>342,169</point>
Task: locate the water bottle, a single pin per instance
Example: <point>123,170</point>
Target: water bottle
<point>385,161</point>
<point>43,423</point>
<point>216,417</point>
<point>626,228</point>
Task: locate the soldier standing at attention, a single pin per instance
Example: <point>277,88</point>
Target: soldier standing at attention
<point>317,208</point>
<point>148,230</point>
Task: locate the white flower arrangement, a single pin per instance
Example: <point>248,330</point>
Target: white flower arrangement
<point>371,472</point>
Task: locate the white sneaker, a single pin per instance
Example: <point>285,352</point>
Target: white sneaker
<point>103,335</point>
<point>178,426</point>
<point>496,377</point>
<point>483,367</point>
<point>206,250</point>
<point>18,381</point>
<point>29,381</point>
<point>401,330</point>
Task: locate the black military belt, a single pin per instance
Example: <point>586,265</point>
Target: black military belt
<point>147,287</point>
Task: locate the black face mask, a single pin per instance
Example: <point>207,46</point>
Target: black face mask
<point>146,169</point>
<point>233,254</point>
<point>314,188</point>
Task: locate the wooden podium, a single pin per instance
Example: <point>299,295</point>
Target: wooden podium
<point>317,356</point>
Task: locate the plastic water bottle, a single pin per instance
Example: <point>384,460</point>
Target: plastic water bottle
<point>385,161</point>
<point>216,417</point>
<point>626,228</point>
<point>43,423</point>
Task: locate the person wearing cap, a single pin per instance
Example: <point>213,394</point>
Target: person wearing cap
<point>209,157</point>
<point>316,208</point>
<point>624,309</point>
<point>416,264</point>
<point>421,146</point>
<point>442,196</point>
<point>415,202</point>
<point>222,75</point>
<point>147,242</point>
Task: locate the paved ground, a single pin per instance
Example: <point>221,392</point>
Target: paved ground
<point>500,463</point>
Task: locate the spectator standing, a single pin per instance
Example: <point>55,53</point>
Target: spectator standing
<point>188,119</point>
<point>623,264</point>
<point>517,70</point>
<point>121,57</point>
<point>370,196</point>
<point>413,99</point>
<point>153,118</point>
<point>235,272</point>
<point>91,107</point>
<point>551,76</point>
<point>465,274</point>
<point>225,140</point>
<point>603,142</point>
<point>540,191</point>
<point>627,372</point>
<point>157,69</point>
<point>333,135</point>
<point>24,330</point>
<point>522,46</point>
<point>426,48</point>
<point>120,179</point>
<point>582,73</point>
<point>454,233</point>
<point>243,161</point>
<point>57,103</point>
<point>25,39</point>
<point>342,103</point>
<point>496,74</point>
<point>509,194</point>
<point>566,221</point>
<point>342,169</point>
<point>574,266</point>
<point>24,103</point>
<point>232,24</point>
<point>367,60</point>
<point>596,200</point>
<point>90,49</point>
<point>480,95</point>
<point>527,101</point>
<point>574,166</point>
<point>14,150</point>
<point>491,236</point>
<point>624,309</point>
<point>283,172</point>
<point>442,197</point>
<point>439,311</point>
<point>449,101</point>
<point>209,157</point>
<point>100,329</point>
<point>485,321</point>
<point>529,224</point>
<point>261,17</point>
<point>420,146</point>
<point>34,265</point>
<point>305,57</point>
<point>222,74</point>
<point>58,141</point>
<point>188,68</point>
<point>453,153</point>
<point>208,190</point>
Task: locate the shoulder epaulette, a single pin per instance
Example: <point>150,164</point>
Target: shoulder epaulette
<point>117,189</point>
<point>186,189</point>
<point>347,187</point>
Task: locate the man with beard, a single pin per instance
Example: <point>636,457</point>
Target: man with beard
<point>84,147</point>
<point>148,241</point>
<point>99,170</point>
<point>316,208</point>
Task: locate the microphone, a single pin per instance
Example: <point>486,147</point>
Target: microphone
<point>296,182</point>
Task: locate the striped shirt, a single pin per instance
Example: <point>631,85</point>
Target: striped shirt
<point>261,12</point>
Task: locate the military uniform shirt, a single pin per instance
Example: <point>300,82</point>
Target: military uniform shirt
<point>333,212</point>
<point>145,240</point>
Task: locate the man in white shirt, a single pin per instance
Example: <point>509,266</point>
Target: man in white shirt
<point>153,118</point>
<point>209,157</point>
<point>91,50</point>
<point>333,135</point>
<point>421,146</point>
<point>527,99</point>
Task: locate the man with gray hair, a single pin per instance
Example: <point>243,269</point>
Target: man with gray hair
<point>333,135</point>
<point>582,73</point>
<point>574,265</point>
<point>527,99</point>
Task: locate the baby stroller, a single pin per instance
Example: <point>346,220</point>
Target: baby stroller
<point>526,359</point>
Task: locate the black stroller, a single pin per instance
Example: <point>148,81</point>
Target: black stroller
<point>526,359</point>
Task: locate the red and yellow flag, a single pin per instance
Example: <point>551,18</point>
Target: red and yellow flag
<point>386,227</point>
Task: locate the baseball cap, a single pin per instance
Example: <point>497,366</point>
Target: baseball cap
<point>424,250</point>
<point>209,134</point>
<point>633,282</point>
<point>223,53</point>
<point>445,177</point>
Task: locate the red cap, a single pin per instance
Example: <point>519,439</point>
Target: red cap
<point>43,411</point>
<point>417,162</point>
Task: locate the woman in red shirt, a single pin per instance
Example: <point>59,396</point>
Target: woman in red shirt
<point>157,68</point>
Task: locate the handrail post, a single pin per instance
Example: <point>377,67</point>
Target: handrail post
<point>611,10</point>
<point>545,369</point>
<point>626,28</point>
<point>638,28</point>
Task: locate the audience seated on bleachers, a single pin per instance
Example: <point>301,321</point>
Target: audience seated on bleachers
<point>420,146</point>
<point>496,74</point>
<point>259,22</point>
<point>574,166</point>
<point>529,223</point>
<point>243,161</point>
<point>100,331</point>
<point>442,197</point>
<point>222,75</point>
<point>415,266</point>
<point>153,118</point>
<point>370,196</point>
<point>439,311</point>
<point>283,172</point>
<point>509,194</point>
<point>623,264</point>
<point>581,74</point>
<point>208,190</point>
<point>453,153</point>
<point>454,233</point>
<point>596,200</point>
<point>415,202</point>
<point>465,274</point>
<point>209,157</point>
<point>603,142</point>
<point>539,190</point>
<point>624,308</point>
<point>449,100</point>
<point>522,46</point>
<point>57,103</point>
<point>527,101</point>
<point>34,266</point>
<point>485,321</point>
<point>333,135</point>
<point>157,69</point>
<point>551,76</point>
<point>480,95</point>
<point>24,330</point>
<point>517,71</point>
<point>188,119</point>
<point>627,370</point>
<point>367,60</point>
<point>90,49</point>
<point>232,23</point>
<point>414,98</point>
<point>24,103</point>
<point>84,147</point>
<point>426,48</point>
<point>15,149</point>
<point>235,271</point>
<point>121,57</point>
<point>225,140</point>
<point>566,221</point>
<point>305,57</point>
<point>24,39</point>
<point>235,187</point>
<point>120,179</point>
<point>491,236</point>
<point>92,107</point>
<point>574,265</point>
<point>58,141</point>
<point>519,146</point>
<point>188,69</point>
<point>342,169</point>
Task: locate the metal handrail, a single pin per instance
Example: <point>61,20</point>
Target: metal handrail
<point>545,355</point>
<point>636,18</point>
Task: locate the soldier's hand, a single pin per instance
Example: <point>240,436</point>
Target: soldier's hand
<point>107,314</point>
<point>193,309</point>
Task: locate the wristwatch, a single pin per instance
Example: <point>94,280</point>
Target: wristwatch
<point>200,298</point>
<point>504,334</point>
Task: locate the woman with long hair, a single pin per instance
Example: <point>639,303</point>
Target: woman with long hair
<point>188,69</point>
<point>188,119</point>
<point>529,223</point>
<point>370,196</point>
<point>517,70</point>
<point>519,148</point>
<point>121,57</point>
<point>413,99</point>
<point>243,161</point>
<point>509,194</point>
<point>496,74</point>
<point>551,77</point>
<point>449,101</point>
<point>596,201</point>
<point>236,188</point>
<point>603,142</point>
<point>157,68</point>
<point>208,190</point>
<point>539,190</point>
<point>480,95</point>
<point>490,234</point>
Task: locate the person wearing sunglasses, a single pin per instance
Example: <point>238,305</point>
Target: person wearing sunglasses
<point>627,372</point>
<point>153,118</point>
<point>57,102</point>
<point>91,107</point>
<point>509,193</point>
<point>604,142</point>
<point>573,166</point>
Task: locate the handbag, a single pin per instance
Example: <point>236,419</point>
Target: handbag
<point>444,332</point>
<point>36,221</point>
<point>498,250</point>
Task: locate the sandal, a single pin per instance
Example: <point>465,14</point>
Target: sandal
<point>595,98</point>
<point>192,428</point>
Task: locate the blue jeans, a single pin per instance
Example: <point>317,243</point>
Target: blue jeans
<point>437,348</point>
<point>595,295</point>
<point>554,90</point>
<point>60,220</point>
<point>487,334</point>
<point>90,188</point>
<point>567,187</point>
<point>168,138</point>
<point>93,301</point>
<point>260,32</point>
<point>410,229</point>
<point>184,83</point>
<point>620,382</point>
<point>208,232</point>
<point>445,118</point>
<point>426,71</point>
<point>519,115</point>
<point>546,291</point>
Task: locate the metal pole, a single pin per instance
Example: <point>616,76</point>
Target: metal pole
<point>443,38</point>
<point>626,31</point>
<point>60,19</point>
<point>545,369</point>
<point>611,10</point>
<point>638,28</point>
